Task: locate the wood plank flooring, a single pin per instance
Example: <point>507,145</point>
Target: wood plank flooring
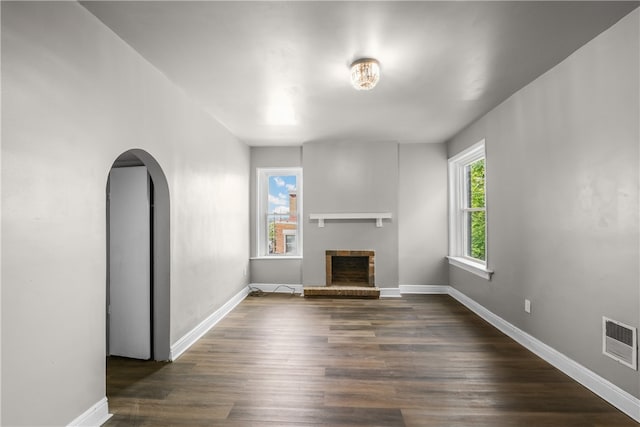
<point>281,360</point>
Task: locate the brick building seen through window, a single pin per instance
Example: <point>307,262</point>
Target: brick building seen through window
<point>283,229</point>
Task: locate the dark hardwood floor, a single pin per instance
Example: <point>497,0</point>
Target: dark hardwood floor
<point>280,360</point>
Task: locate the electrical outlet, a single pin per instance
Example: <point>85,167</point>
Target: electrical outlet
<point>527,306</point>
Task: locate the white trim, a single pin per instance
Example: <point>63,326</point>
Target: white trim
<point>613,394</point>
<point>203,327</point>
<point>262,204</point>
<point>274,257</point>
<point>279,288</point>
<point>424,289</point>
<point>473,267</point>
<point>470,154</point>
<point>390,293</point>
<point>458,189</point>
<point>97,415</point>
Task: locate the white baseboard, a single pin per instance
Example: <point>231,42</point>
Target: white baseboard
<point>196,333</point>
<point>390,293</point>
<point>424,289</point>
<point>277,288</point>
<point>613,394</point>
<point>95,416</point>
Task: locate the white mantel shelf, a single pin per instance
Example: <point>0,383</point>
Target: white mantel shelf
<point>378,216</point>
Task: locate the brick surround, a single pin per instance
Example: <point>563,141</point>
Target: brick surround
<point>350,268</point>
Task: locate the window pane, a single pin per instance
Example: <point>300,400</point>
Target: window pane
<point>282,214</point>
<point>475,180</point>
<point>476,235</point>
<point>290,244</point>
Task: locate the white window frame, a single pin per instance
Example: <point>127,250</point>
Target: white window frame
<point>262,204</point>
<point>458,190</point>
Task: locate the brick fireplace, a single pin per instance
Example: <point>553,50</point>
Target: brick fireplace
<point>350,268</point>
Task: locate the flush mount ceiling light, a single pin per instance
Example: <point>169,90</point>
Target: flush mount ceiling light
<point>365,73</point>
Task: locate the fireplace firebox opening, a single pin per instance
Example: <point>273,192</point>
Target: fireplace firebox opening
<point>350,268</point>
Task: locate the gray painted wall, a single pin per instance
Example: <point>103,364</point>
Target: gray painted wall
<point>74,97</point>
<point>563,198</point>
<point>278,271</point>
<point>422,214</point>
<point>350,177</point>
<point>421,200</point>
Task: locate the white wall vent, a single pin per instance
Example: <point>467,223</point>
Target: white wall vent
<point>620,342</point>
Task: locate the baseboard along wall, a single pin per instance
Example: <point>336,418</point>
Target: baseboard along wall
<point>279,288</point>
<point>97,415</point>
<point>203,327</point>
<point>613,394</point>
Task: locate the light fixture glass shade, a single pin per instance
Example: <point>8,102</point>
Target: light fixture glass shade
<point>365,73</point>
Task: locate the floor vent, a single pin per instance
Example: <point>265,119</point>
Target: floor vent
<point>619,341</point>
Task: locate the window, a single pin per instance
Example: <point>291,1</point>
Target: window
<point>279,209</point>
<point>290,242</point>
<point>468,211</point>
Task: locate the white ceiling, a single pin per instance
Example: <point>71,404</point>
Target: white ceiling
<point>276,73</point>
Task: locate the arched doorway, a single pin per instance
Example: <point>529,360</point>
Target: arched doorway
<point>123,309</point>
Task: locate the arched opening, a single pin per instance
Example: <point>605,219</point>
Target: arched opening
<point>137,183</point>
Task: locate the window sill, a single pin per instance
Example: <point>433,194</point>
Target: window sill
<point>275,257</point>
<point>470,266</point>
